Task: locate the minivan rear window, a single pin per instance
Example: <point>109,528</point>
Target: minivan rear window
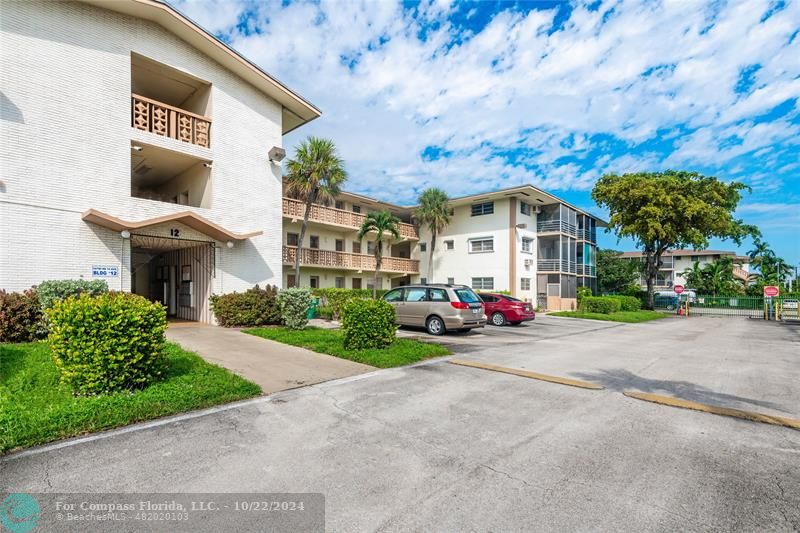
<point>467,296</point>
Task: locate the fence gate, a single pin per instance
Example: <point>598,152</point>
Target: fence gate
<point>734,306</point>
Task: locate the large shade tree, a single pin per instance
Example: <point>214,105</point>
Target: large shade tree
<point>385,225</point>
<point>315,174</point>
<point>670,210</point>
<point>433,211</point>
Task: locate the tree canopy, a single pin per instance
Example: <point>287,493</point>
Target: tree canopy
<point>670,209</point>
<point>614,274</point>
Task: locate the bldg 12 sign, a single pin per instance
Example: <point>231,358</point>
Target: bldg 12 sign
<point>105,271</point>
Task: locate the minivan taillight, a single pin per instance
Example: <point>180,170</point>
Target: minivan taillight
<point>459,305</point>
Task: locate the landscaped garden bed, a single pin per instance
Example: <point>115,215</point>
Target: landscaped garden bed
<point>630,317</point>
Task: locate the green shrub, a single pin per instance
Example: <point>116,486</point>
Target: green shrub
<point>583,292</point>
<point>368,324</point>
<point>254,307</point>
<point>107,343</point>
<point>628,303</point>
<point>601,304</point>
<point>325,311</point>
<point>50,291</point>
<point>637,292</point>
<point>338,298</point>
<point>294,303</point>
<point>21,317</point>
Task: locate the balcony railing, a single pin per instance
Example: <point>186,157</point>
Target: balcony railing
<point>556,226</point>
<point>162,119</point>
<point>556,265</point>
<point>348,261</point>
<point>586,270</point>
<point>586,234</point>
<point>337,217</point>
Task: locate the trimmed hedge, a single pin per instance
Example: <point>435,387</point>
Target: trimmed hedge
<point>294,303</point>
<point>368,324</point>
<point>336,299</point>
<point>50,291</point>
<point>254,307</point>
<point>628,303</point>
<point>21,317</point>
<point>107,343</point>
<point>601,304</point>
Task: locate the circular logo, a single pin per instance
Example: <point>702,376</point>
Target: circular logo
<point>19,513</point>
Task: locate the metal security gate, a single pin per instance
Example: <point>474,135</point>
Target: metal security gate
<point>780,308</point>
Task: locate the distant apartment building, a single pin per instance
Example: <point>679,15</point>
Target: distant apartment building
<point>676,262</point>
<point>136,148</point>
<point>521,240</point>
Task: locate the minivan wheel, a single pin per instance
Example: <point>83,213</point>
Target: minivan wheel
<point>498,319</point>
<point>435,326</point>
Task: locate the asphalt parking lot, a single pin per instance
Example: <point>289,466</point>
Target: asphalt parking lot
<point>444,447</point>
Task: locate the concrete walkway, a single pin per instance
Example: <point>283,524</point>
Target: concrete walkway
<point>272,365</point>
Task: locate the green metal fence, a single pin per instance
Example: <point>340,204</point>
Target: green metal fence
<point>778,308</point>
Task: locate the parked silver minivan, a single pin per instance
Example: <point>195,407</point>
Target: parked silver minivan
<point>437,308</point>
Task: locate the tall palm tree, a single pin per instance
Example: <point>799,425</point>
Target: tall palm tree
<point>384,224</point>
<point>316,174</point>
<point>694,276</point>
<point>433,211</point>
<point>760,249</point>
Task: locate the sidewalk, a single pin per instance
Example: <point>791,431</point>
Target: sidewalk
<point>272,365</point>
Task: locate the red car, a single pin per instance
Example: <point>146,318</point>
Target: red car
<point>502,309</point>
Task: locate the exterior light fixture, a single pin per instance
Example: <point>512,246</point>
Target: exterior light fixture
<point>137,148</point>
<point>125,234</point>
<point>276,154</point>
<point>207,165</point>
<point>229,244</point>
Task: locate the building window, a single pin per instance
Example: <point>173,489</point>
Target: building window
<point>313,241</point>
<point>356,247</point>
<point>485,208</point>
<point>483,284</point>
<point>315,282</point>
<point>423,247</point>
<point>525,208</point>
<point>526,245</point>
<point>292,239</point>
<point>423,281</point>
<point>370,247</point>
<point>356,209</point>
<point>525,284</point>
<point>340,245</point>
<point>371,284</point>
<point>290,280</point>
<point>451,281</point>
<point>339,204</point>
<point>339,283</point>
<point>356,282</point>
<point>449,245</point>
<point>478,246</point>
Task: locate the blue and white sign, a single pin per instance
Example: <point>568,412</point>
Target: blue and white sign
<point>105,271</point>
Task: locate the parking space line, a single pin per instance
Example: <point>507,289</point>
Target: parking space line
<point>713,409</point>
<point>526,374</point>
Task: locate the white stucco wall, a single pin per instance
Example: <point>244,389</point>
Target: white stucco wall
<point>66,136</point>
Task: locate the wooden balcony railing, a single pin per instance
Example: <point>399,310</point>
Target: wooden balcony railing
<point>162,119</point>
<point>337,217</point>
<point>348,261</point>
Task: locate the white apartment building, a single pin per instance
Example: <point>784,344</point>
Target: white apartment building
<point>139,149</point>
<point>522,240</point>
<point>676,262</point>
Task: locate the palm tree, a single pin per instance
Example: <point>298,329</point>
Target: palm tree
<point>434,212</point>
<point>760,249</point>
<point>314,175</point>
<point>383,223</point>
<point>694,276</point>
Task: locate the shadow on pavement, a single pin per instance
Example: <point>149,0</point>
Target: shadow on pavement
<point>621,380</point>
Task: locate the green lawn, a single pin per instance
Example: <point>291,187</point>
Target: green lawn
<point>400,352</point>
<point>35,408</point>
<point>630,317</point>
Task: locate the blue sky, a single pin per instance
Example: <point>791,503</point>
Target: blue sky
<point>473,96</point>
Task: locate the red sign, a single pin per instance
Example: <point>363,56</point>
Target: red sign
<point>678,289</point>
<point>771,290</point>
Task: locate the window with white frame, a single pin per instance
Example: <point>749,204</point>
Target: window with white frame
<point>485,284</point>
<point>484,208</point>
<point>483,245</point>
<point>525,208</point>
<point>527,245</point>
<point>449,245</point>
<point>525,284</point>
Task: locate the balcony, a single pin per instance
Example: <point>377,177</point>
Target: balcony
<point>556,226</point>
<point>168,121</point>
<point>586,270</point>
<point>586,234</point>
<point>336,217</point>
<point>556,265</point>
<point>348,261</point>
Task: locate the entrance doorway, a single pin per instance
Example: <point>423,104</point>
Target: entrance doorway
<point>178,273</point>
